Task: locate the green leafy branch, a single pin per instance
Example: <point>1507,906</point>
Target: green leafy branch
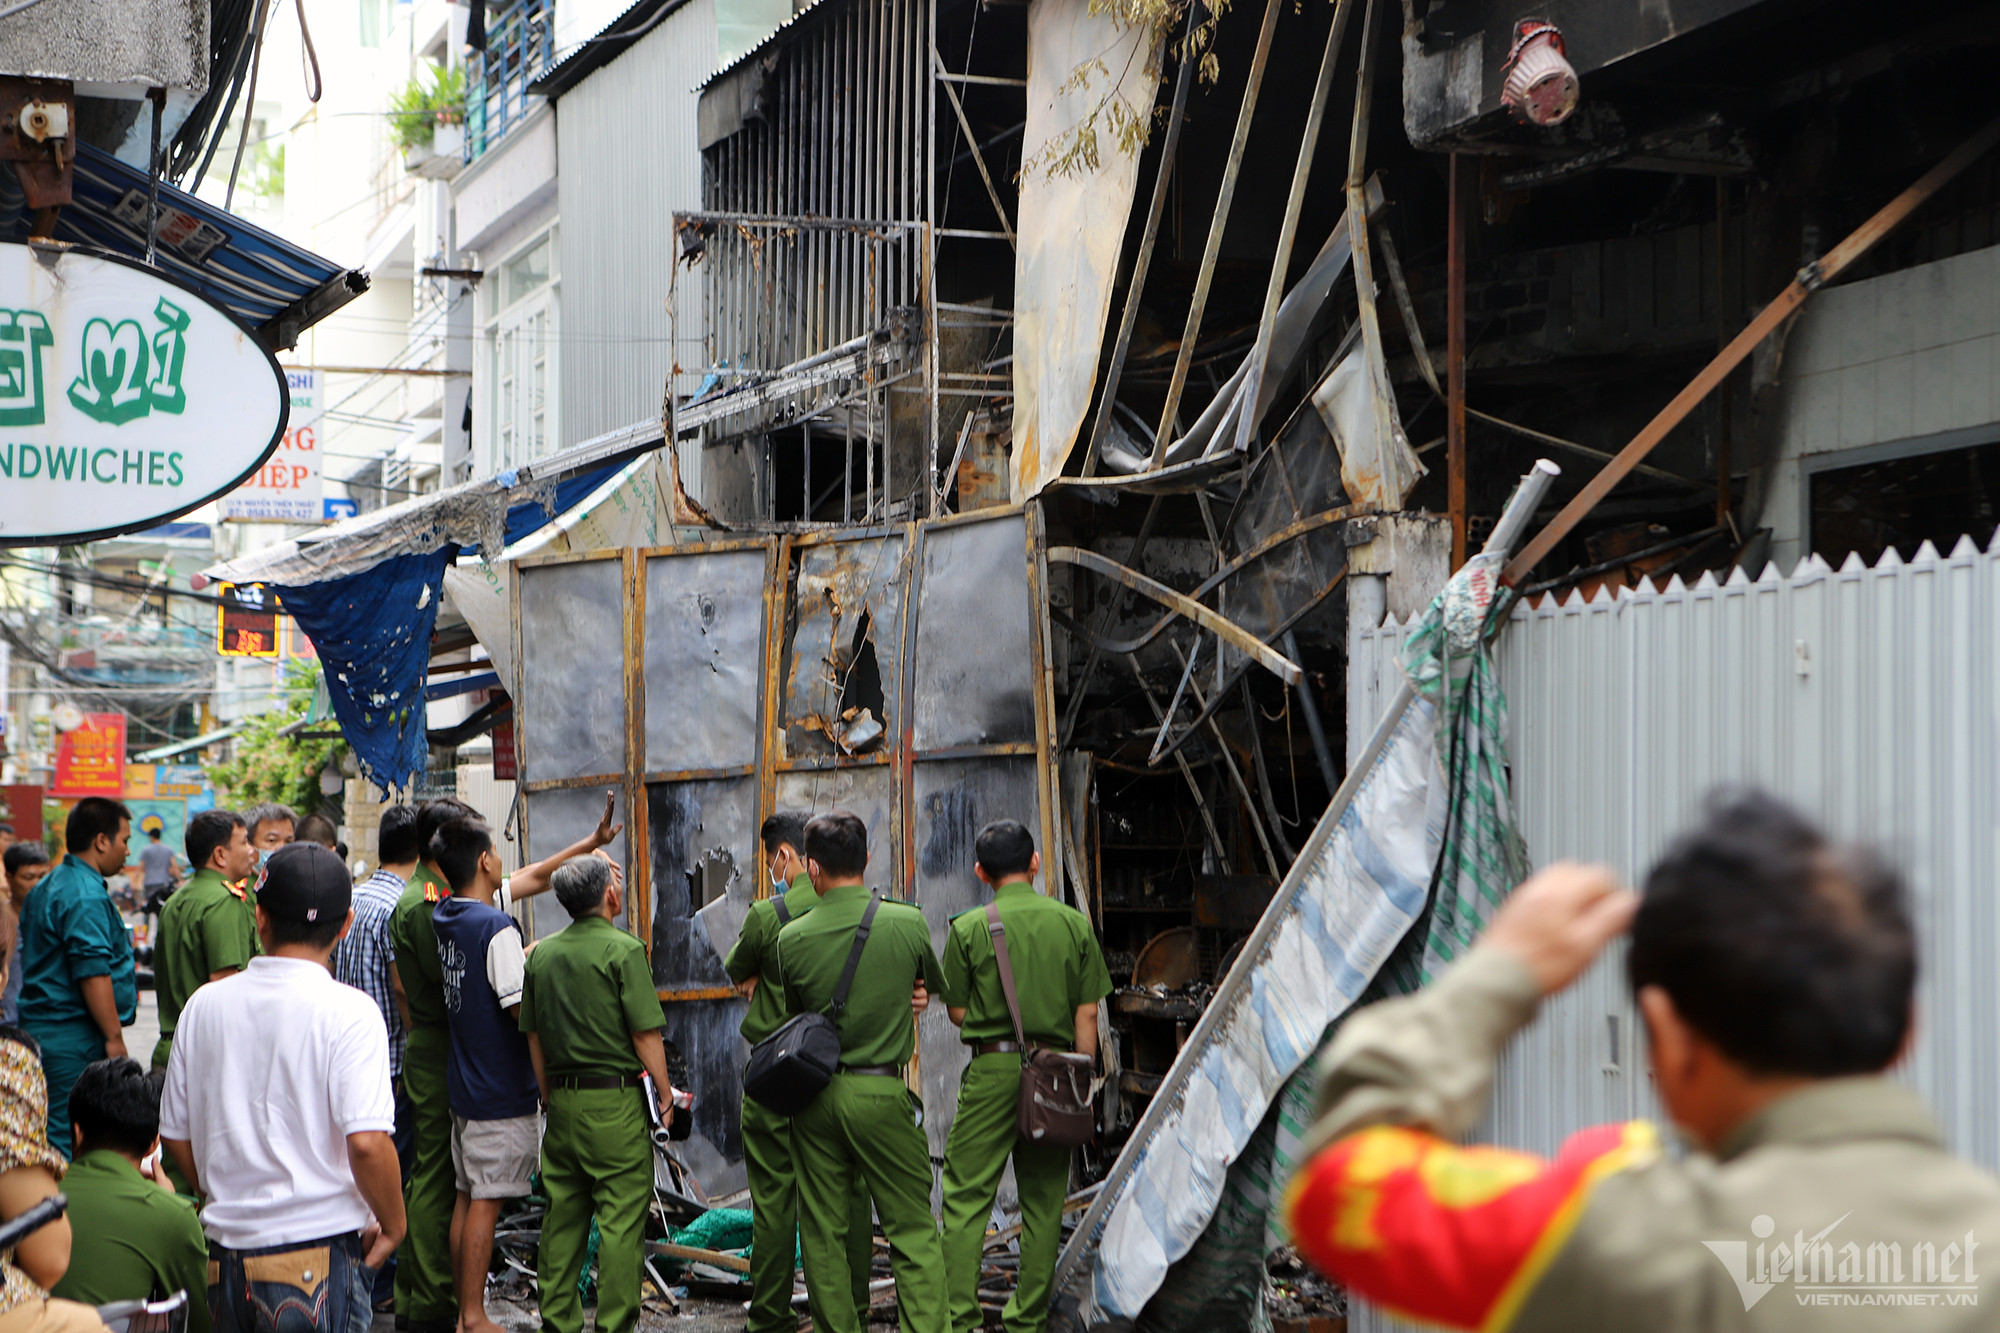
<point>269,766</point>
<point>1079,151</point>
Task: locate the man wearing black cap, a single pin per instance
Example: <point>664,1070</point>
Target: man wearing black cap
<point>278,1111</point>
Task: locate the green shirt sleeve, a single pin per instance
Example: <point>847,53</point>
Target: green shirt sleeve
<point>746,958</point>
<point>188,1268</point>
<point>1093,977</point>
<point>524,1017</point>
<point>928,966</point>
<point>638,995</point>
<point>957,969</point>
<point>224,942</point>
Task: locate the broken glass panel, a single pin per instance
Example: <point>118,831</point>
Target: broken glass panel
<point>843,661</point>
<point>703,839</point>
<point>975,660</point>
<point>562,818</point>
<point>704,1033</point>
<point>572,670</point>
<point>953,800</point>
<point>704,659</point>
<point>867,792</point>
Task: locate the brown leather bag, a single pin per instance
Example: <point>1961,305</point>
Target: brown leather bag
<point>1055,1085</point>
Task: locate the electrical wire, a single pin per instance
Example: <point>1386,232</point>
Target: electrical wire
<point>11,10</point>
<point>264,8</point>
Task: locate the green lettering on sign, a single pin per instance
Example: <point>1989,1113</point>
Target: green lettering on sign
<point>124,377</point>
<point>23,335</point>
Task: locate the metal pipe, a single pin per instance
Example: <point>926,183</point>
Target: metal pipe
<point>1314,726</point>
<point>1809,280</point>
<point>1213,249</point>
<point>1454,427</point>
<point>1228,630</point>
<point>1722,442</point>
<point>1277,823</point>
<point>1142,263</point>
<point>1274,290</point>
<point>1235,773</point>
<point>1215,843</point>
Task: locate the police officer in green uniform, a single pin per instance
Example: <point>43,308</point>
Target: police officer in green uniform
<point>593,1021</point>
<point>767,1136</point>
<point>862,1129</point>
<point>1059,976</point>
<point>208,929</point>
<point>424,1299</point>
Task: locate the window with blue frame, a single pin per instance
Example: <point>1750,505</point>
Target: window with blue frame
<point>520,47</point>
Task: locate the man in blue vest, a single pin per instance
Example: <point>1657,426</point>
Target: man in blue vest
<point>496,1122</point>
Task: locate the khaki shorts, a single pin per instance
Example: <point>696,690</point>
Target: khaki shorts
<point>494,1158</point>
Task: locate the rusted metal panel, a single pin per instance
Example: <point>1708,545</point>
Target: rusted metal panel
<point>705,871</point>
<point>976,665</point>
<point>844,650</point>
<point>572,630</point>
<point>704,651</point>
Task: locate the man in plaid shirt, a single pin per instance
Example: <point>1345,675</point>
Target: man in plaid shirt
<point>366,960</point>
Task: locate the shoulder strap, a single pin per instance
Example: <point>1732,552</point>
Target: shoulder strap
<point>998,931</point>
<point>784,912</point>
<point>839,1004</point>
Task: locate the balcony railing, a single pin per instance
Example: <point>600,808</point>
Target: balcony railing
<point>520,46</point>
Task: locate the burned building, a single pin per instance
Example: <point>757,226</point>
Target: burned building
<point>1079,395</point>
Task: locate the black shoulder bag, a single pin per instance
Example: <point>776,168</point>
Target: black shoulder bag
<point>789,1068</point>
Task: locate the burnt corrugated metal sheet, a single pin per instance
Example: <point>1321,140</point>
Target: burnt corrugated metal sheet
<point>625,136</point>
<point>1865,695</point>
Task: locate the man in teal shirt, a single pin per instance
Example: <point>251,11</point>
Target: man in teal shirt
<point>79,986</point>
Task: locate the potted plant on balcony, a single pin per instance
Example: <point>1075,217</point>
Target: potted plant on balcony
<point>427,118</point>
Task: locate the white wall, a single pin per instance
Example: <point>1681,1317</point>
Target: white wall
<point>1910,359</point>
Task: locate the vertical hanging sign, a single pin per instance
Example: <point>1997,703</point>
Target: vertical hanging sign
<point>287,488</point>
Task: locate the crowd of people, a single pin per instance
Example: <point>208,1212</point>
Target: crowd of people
<point>352,1080</point>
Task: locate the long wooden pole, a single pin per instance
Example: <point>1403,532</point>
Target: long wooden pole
<point>1810,279</point>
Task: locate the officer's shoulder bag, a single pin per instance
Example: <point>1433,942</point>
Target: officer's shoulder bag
<point>789,1069</point>
<point>1055,1085</point>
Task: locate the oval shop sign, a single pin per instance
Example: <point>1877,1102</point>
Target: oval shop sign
<point>126,399</point>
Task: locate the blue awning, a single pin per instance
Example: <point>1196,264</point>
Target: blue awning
<point>270,284</point>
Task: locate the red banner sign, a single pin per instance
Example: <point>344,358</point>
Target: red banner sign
<point>90,761</point>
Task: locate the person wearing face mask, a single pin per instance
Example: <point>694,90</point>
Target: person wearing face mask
<point>767,1136</point>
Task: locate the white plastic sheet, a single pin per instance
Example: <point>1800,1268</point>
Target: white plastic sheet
<point>1071,226</point>
<point>632,508</point>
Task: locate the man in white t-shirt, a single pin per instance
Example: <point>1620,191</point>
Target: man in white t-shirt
<point>279,1112</point>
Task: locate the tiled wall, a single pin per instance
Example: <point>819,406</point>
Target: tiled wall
<point>1905,357</point>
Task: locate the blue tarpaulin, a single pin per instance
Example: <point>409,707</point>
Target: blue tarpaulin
<point>530,516</point>
<point>373,634</point>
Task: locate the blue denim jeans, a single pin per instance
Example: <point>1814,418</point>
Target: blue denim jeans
<point>314,1286</point>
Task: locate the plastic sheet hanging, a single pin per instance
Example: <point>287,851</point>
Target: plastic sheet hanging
<point>373,634</point>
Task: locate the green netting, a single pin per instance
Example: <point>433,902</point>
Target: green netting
<point>1219,1284</point>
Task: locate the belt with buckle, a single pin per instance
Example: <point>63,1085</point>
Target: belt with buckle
<point>1010,1047</point>
<point>596,1083</point>
<point>888,1071</point>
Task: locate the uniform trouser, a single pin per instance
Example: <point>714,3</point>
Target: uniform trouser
<point>774,1202</point>
<point>597,1159</point>
<point>163,1053</point>
<point>423,1273</point>
<point>66,1052</point>
<point>860,1133</point>
<point>983,1134</point>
